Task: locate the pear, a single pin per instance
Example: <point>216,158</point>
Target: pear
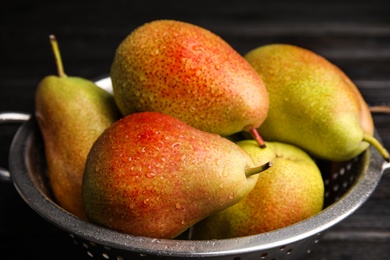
<point>71,113</point>
<point>150,174</point>
<point>190,73</point>
<point>313,104</point>
<point>290,191</point>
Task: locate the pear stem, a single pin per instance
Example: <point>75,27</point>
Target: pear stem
<point>381,149</point>
<point>258,169</point>
<point>57,56</point>
<point>255,135</point>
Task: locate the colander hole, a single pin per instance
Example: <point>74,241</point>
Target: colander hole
<point>336,187</point>
<point>342,171</point>
<point>316,241</point>
<point>105,256</point>
<point>143,255</point>
<point>345,184</point>
<point>119,258</point>
<point>85,245</point>
<point>264,255</point>
<point>107,248</point>
<point>327,193</point>
<point>349,166</point>
<point>289,251</point>
<point>237,258</point>
<point>90,254</point>
<point>326,182</point>
<point>282,248</point>
<point>308,251</point>
<point>335,175</point>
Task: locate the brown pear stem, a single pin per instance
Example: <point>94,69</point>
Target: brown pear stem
<point>255,135</point>
<point>380,109</point>
<point>258,169</point>
<point>57,56</point>
<point>381,149</point>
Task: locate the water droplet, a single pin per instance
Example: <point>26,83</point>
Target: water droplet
<point>217,67</point>
<point>130,159</point>
<point>183,222</point>
<point>175,145</point>
<point>150,174</point>
<point>178,205</point>
<point>231,196</point>
<point>146,201</point>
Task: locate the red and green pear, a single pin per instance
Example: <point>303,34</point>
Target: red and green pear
<point>190,73</point>
<point>313,104</point>
<point>150,174</point>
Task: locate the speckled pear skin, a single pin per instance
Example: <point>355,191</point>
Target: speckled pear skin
<point>290,191</point>
<point>71,113</point>
<point>313,104</point>
<point>190,73</point>
<point>152,175</point>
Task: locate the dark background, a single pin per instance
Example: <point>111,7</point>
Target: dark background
<point>355,35</point>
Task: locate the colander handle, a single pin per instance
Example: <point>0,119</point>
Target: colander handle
<point>10,118</point>
<point>382,109</point>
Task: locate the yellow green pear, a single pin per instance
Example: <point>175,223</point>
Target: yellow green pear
<point>150,174</point>
<point>71,113</point>
<point>313,104</point>
<point>290,191</point>
<point>188,72</point>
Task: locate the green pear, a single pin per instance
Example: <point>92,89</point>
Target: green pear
<point>150,174</point>
<point>290,191</point>
<point>71,113</point>
<point>190,73</point>
<point>313,104</point>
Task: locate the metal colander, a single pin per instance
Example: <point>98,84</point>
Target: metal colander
<point>348,185</point>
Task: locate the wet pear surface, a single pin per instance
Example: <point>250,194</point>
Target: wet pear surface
<point>190,73</point>
<point>152,175</point>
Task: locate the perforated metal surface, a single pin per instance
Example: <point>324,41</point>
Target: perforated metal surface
<point>348,185</point>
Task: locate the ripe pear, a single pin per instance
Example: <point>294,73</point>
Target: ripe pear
<point>190,73</point>
<point>150,174</point>
<point>290,191</point>
<point>71,113</point>
<point>313,104</point>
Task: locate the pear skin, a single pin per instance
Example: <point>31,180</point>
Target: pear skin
<point>150,174</point>
<point>313,104</point>
<point>190,73</point>
<point>290,191</point>
<point>71,113</point>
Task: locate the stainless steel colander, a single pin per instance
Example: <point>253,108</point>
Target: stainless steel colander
<point>348,185</point>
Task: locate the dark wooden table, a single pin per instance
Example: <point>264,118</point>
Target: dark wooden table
<point>355,35</point>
